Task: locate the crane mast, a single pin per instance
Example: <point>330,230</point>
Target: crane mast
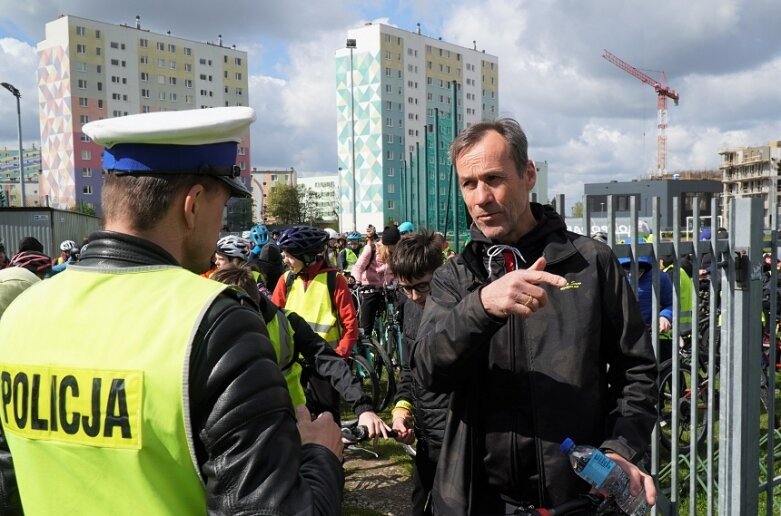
<point>663,92</point>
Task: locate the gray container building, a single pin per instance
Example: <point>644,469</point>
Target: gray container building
<point>49,225</point>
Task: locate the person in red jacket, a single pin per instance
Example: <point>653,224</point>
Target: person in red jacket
<point>313,289</point>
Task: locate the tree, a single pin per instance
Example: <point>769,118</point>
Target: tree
<point>309,199</point>
<point>284,204</point>
<point>577,209</point>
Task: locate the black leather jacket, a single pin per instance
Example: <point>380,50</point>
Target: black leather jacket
<point>244,433</point>
<point>431,408</point>
<point>580,367</point>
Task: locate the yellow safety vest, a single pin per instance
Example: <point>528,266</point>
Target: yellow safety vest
<point>350,257</point>
<point>685,299</point>
<point>282,338</point>
<point>94,407</point>
<point>314,305</point>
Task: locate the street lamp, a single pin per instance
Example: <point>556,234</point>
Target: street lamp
<point>16,93</point>
<point>351,44</point>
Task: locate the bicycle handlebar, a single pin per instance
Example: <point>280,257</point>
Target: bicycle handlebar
<point>359,433</point>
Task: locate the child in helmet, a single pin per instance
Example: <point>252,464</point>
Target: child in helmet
<point>314,290</point>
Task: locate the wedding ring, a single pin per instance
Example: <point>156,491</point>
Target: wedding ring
<point>528,303</point>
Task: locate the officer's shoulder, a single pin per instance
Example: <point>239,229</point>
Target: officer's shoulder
<point>234,294</point>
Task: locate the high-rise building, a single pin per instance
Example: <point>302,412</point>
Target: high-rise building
<point>401,97</point>
<point>89,70</point>
<point>752,172</point>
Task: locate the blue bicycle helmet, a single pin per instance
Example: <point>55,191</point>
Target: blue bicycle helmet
<point>303,242</point>
<point>406,227</point>
<point>259,235</point>
<point>354,236</point>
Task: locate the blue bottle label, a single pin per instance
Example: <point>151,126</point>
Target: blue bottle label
<point>597,469</point>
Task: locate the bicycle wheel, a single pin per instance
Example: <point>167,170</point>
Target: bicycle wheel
<point>383,370</point>
<point>688,394</point>
<point>393,347</point>
<point>364,372</point>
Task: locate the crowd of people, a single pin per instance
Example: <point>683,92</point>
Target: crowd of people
<point>204,374</point>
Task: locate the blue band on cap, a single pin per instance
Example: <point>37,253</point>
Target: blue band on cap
<point>145,157</point>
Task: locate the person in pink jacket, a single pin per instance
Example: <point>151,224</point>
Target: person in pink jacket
<point>373,269</point>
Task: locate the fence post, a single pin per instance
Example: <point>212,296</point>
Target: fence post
<point>740,361</point>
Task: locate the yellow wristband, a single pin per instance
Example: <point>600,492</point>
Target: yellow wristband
<point>405,405</point>
<point>402,413</point>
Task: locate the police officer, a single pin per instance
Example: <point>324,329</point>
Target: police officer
<point>167,398</point>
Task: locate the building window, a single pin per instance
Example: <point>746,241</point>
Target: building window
<point>161,63</point>
<point>81,31</point>
<point>145,93</point>
<point>391,205</point>
<point>83,102</point>
<point>86,172</point>
<point>172,48</point>
<point>391,172</point>
<point>82,84</point>
<point>161,96</point>
<point>160,46</point>
<point>144,77</point>
<point>143,43</point>
<point>97,51</point>
<point>237,61</point>
<point>86,155</point>
<point>145,109</point>
<point>239,92</point>
<point>114,44</point>
<point>81,49</point>
<point>100,103</point>
<point>144,60</point>
<point>87,190</point>
<point>172,65</point>
<point>84,137</point>
<point>390,138</point>
<point>188,67</point>
<point>172,81</point>
<point>172,97</point>
<point>188,99</point>
<point>387,54</point>
<point>389,155</point>
<point>387,72</point>
<point>238,76</point>
<point>391,187</point>
<point>188,51</point>
<point>389,122</point>
<point>81,67</point>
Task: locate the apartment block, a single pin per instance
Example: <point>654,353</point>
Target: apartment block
<point>11,194</point>
<point>325,190</point>
<point>752,172</point>
<point>90,70</point>
<point>401,97</point>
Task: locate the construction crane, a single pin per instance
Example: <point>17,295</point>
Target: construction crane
<point>663,91</point>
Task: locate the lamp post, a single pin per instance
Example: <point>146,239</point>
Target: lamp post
<point>351,44</point>
<point>16,93</point>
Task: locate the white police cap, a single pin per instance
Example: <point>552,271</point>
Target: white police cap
<point>197,141</point>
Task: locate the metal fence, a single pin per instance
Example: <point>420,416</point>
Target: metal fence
<point>717,446</point>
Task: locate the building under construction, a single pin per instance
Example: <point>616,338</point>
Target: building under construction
<point>752,172</point>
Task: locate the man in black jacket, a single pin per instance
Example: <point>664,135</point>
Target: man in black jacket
<point>163,205</point>
<point>537,335</point>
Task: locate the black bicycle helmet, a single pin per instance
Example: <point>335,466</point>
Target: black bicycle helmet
<point>303,242</point>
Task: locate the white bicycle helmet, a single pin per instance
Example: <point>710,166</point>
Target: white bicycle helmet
<point>67,245</point>
<point>233,247</point>
<point>332,234</point>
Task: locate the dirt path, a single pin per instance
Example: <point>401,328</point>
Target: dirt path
<point>376,486</point>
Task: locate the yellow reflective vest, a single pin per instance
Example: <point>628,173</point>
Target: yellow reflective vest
<point>94,405</point>
<point>281,334</point>
<point>314,305</point>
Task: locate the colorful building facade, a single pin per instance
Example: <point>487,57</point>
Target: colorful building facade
<point>400,98</point>
<point>89,70</point>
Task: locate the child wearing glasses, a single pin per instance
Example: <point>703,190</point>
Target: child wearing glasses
<point>418,413</point>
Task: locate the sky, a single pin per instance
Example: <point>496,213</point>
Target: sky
<point>591,121</point>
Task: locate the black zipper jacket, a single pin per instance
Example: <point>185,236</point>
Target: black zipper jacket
<point>243,429</point>
<point>580,367</point>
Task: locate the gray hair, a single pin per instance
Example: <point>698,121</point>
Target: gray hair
<point>508,128</point>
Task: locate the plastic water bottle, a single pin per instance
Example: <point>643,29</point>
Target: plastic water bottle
<point>602,473</point>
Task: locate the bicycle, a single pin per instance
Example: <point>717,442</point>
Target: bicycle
<point>586,504</point>
<point>388,327</point>
<point>354,434</point>
<point>377,359</point>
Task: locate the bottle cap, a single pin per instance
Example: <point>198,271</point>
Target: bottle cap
<point>567,445</point>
